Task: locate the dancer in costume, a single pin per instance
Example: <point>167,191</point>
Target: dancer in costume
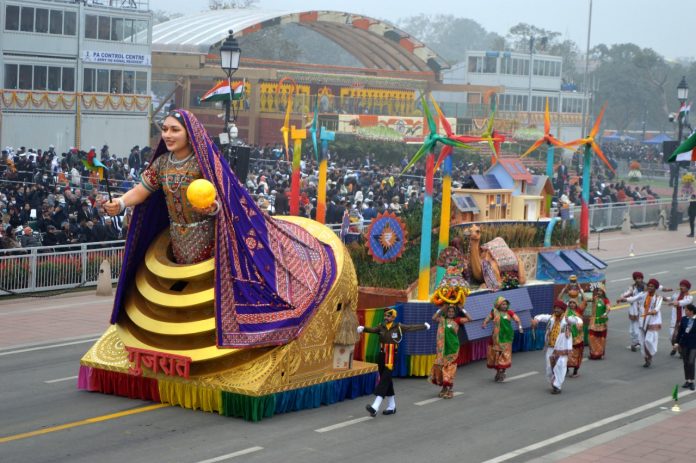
<point>686,340</point>
<point>598,323</point>
<point>390,335</point>
<point>573,291</point>
<point>445,367</point>
<point>499,355</point>
<point>450,297</point>
<point>678,301</point>
<point>650,319</point>
<point>559,343</point>
<point>270,275</point>
<point>575,356</point>
<point>635,289</point>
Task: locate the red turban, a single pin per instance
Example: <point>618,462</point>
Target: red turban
<point>560,304</point>
<point>637,275</point>
<point>685,283</point>
<point>654,282</point>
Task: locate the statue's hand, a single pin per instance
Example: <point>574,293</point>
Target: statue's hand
<point>213,209</point>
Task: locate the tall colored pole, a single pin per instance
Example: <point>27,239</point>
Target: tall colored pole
<point>426,230</point>
<point>585,211</point>
<point>445,210</point>
<point>297,135</point>
<point>326,136</point>
<point>321,187</point>
<point>549,173</point>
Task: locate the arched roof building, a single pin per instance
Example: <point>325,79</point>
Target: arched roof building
<point>374,43</point>
<point>357,67</point>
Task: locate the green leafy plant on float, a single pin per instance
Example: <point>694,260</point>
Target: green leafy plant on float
<point>404,271</point>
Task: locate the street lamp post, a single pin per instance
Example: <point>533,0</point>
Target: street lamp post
<point>230,54</point>
<point>682,96</point>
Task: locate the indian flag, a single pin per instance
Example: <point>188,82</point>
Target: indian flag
<point>224,91</point>
<point>684,109</point>
<point>686,151</point>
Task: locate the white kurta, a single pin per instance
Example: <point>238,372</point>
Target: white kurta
<point>557,355</point>
<point>686,300</point>
<point>633,315</point>
<point>650,325</point>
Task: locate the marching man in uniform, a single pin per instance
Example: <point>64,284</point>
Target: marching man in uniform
<point>390,335</point>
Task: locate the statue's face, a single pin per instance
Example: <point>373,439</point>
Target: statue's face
<point>174,135</point>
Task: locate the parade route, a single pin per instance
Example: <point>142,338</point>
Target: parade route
<point>45,416</point>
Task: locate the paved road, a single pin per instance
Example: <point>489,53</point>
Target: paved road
<point>486,422</point>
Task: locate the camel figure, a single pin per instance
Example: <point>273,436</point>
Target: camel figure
<point>487,261</point>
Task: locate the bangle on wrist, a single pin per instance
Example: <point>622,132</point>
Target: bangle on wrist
<point>121,205</point>
<point>217,208</point>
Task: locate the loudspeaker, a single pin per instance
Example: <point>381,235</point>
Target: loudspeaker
<point>668,148</point>
<point>239,161</point>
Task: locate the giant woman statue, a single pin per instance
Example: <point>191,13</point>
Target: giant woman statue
<point>270,275</point>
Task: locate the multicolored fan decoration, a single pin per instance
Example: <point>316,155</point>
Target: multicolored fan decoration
<point>590,147</point>
<point>386,238</point>
<point>427,149</point>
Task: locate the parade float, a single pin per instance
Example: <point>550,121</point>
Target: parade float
<point>165,345</point>
<point>508,243</point>
<point>265,326</point>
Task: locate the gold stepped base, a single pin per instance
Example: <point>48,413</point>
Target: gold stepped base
<point>170,309</point>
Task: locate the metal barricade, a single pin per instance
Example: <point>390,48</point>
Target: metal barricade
<point>49,268</point>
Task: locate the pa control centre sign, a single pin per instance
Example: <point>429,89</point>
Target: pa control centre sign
<point>110,57</point>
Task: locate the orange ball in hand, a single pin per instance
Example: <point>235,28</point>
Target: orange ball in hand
<point>201,193</point>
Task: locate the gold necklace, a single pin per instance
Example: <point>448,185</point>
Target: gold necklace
<point>179,177</point>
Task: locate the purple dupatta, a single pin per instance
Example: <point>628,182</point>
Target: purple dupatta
<point>270,275</point>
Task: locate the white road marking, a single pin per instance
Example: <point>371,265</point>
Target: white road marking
<point>580,430</point>
<point>232,455</point>
<point>690,268</point>
<point>620,279</point>
<point>650,254</point>
<point>51,381</point>
<point>51,346</point>
<point>523,375</point>
<point>53,307</point>
<point>660,273</point>
<point>434,399</point>
<point>344,424</point>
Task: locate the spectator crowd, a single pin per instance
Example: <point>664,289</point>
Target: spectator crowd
<point>49,198</point>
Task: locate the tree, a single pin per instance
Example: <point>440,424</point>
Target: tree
<point>230,4</point>
<point>449,36</point>
<point>638,85</point>
<point>521,35</point>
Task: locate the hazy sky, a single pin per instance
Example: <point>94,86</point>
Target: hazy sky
<point>663,25</point>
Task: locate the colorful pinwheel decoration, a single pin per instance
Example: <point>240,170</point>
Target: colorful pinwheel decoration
<point>326,136</point>
<point>551,141</point>
<point>285,129</point>
<point>93,164</point>
<point>445,159</point>
<point>297,136</point>
<point>590,146</point>
<point>312,129</point>
<point>428,149</point>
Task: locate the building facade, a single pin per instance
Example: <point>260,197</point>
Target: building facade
<point>75,74</point>
<point>525,89</point>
